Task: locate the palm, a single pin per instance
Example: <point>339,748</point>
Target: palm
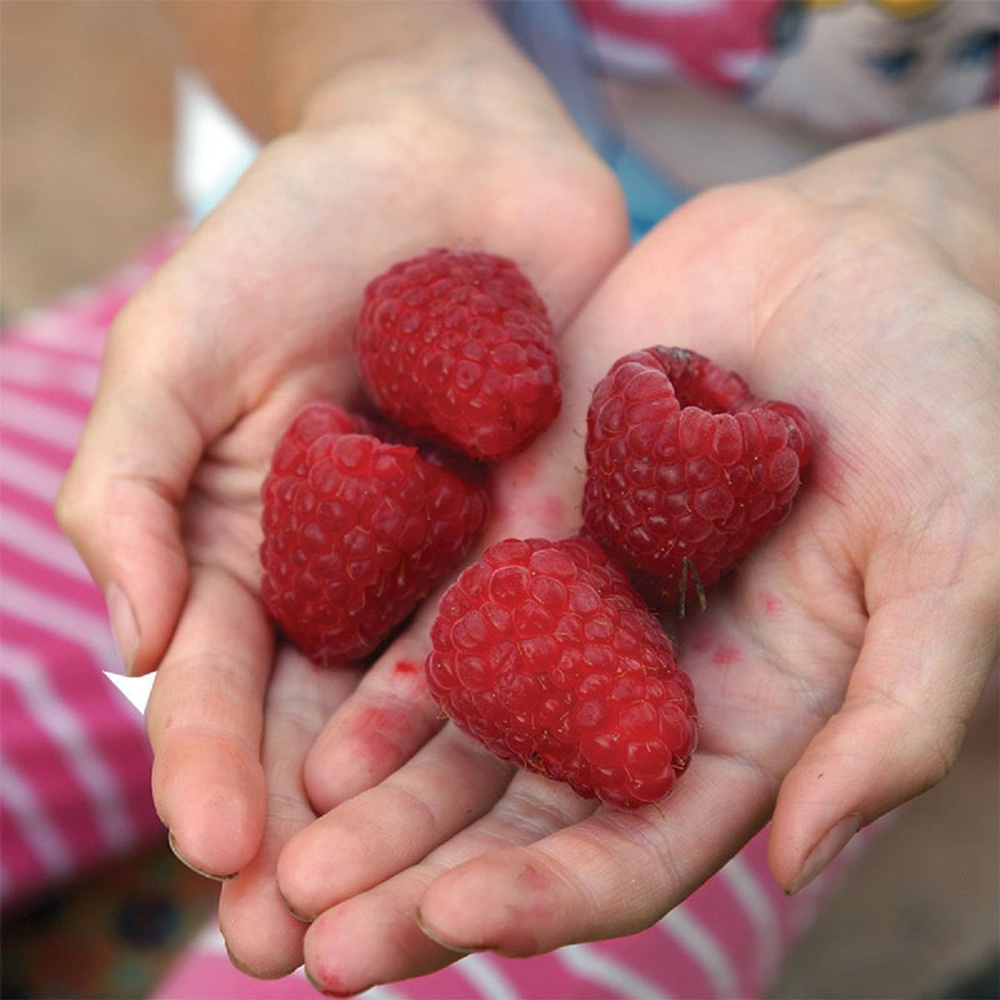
<point>769,284</point>
<point>251,319</point>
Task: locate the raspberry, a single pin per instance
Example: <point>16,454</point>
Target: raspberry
<point>686,470</point>
<point>458,346</point>
<point>544,653</point>
<point>356,531</point>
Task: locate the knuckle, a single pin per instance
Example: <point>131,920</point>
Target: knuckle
<point>942,751</point>
<point>70,508</point>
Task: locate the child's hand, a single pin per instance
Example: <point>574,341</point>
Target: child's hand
<point>206,367</point>
<point>263,937</point>
<point>835,670</point>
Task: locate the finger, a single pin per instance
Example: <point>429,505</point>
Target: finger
<point>387,719</point>
<point>375,937</point>
<point>394,825</point>
<point>921,671</point>
<point>392,714</point>
<point>262,937</point>
<point>118,502</point>
<point>612,874</point>
<point>193,351</point>
<point>205,719</point>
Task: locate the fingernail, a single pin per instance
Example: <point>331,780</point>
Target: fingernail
<point>123,626</point>
<point>457,949</point>
<point>288,906</point>
<point>187,864</point>
<point>829,846</point>
<point>268,974</point>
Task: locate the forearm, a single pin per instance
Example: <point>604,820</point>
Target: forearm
<point>279,63</point>
<point>948,180</point>
<point>953,157</point>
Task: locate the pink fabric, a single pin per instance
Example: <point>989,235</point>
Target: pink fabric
<point>722,43</point>
<point>73,752</point>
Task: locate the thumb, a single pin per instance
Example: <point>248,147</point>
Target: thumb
<point>921,671</point>
<point>119,501</point>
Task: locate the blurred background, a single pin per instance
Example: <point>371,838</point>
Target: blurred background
<point>85,180</point>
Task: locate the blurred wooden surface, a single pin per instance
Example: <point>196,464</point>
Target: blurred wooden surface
<point>86,154</point>
<point>86,111</point>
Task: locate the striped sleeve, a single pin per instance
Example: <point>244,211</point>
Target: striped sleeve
<point>73,752</point>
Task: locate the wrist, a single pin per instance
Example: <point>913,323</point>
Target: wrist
<point>470,74</point>
<point>940,180</point>
<point>278,65</point>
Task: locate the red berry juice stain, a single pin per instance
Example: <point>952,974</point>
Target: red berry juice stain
<point>536,890</point>
<point>702,644</point>
<point>771,604</point>
<point>380,736</point>
<point>325,981</point>
<point>727,653</point>
<point>407,680</point>
<point>554,510</point>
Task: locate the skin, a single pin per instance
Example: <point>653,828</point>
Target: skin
<point>835,672</point>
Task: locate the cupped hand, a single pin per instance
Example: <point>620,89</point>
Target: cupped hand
<point>835,670</point>
<point>207,365</point>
